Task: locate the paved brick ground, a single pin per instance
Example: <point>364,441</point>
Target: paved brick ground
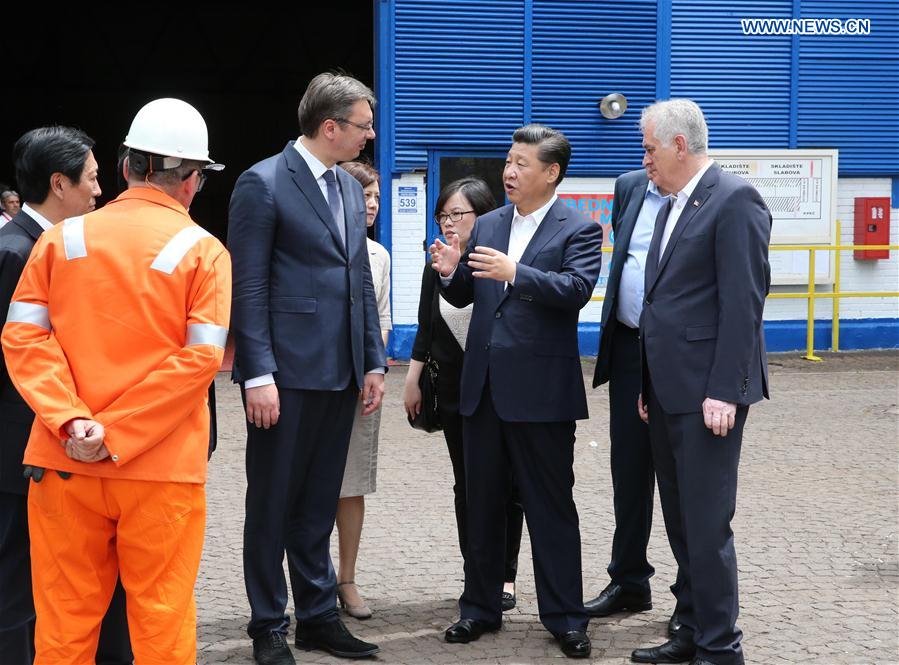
<point>815,528</point>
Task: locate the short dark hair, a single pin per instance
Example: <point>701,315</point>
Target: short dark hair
<point>366,174</point>
<point>41,152</point>
<point>330,95</point>
<point>475,191</point>
<point>166,178</point>
<point>552,145</point>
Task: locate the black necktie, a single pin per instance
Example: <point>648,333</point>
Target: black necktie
<point>334,203</point>
<point>652,257</point>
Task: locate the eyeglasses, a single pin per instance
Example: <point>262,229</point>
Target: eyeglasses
<point>365,128</point>
<point>202,178</point>
<point>456,216</point>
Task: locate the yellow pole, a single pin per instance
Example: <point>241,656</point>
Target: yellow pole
<point>835,326</point>
<point>810,324</point>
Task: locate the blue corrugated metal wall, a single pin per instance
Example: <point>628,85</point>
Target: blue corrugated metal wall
<point>467,72</point>
<point>459,75</point>
<point>582,52</point>
<point>849,87</point>
<point>742,83</point>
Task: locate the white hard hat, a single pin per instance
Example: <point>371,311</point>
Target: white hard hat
<point>171,128</point>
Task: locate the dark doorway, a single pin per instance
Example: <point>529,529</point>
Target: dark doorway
<point>243,68</point>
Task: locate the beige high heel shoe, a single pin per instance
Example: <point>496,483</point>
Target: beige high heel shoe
<point>360,612</point>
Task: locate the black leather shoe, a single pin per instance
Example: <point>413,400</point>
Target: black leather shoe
<point>272,649</point>
<point>575,644</point>
<point>615,599</point>
<point>509,601</point>
<point>673,651</point>
<point>468,630</point>
<point>334,638</point>
<point>674,624</point>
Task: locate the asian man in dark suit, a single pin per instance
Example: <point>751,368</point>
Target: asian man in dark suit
<point>635,206</point>
<point>529,269</point>
<point>57,174</point>
<point>703,350</point>
<point>307,341</point>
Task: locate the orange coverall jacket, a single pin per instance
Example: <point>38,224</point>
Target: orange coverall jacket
<point>121,316</point>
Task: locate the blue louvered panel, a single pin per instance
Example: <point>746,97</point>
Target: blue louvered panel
<point>459,75</point>
<point>583,51</point>
<point>849,88</point>
<point>741,82</point>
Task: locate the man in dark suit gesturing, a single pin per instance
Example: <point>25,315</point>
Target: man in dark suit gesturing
<point>307,340</point>
<point>703,351</point>
<point>634,210</point>
<point>529,269</point>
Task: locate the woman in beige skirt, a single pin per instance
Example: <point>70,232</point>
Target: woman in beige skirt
<point>360,475</point>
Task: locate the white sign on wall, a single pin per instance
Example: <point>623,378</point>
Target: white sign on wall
<point>800,189</point>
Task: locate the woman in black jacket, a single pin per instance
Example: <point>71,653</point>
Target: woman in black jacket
<point>442,330</point>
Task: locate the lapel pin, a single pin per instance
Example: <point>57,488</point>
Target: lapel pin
<point>695,203</point>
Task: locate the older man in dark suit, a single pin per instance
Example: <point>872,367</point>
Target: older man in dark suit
<point>57,174</point>
<point>634,209</point>
<point>529,269</point>
<point>307,340</point>
<point>704,363</point>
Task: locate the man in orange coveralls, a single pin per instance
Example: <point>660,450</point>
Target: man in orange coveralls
<point>113,335</point>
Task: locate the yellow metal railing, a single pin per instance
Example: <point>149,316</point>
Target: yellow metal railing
<point>812,295</point>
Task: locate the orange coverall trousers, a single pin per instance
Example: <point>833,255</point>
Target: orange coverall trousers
<point>87,530</point>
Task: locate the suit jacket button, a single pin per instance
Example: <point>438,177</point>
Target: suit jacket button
<point>487,346</point>
<point>352,300</point>
<point>499,315</point>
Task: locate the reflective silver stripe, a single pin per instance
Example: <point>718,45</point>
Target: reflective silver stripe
<point>28,312</point>
<point>206,333</point>
<point>177,247</point>
<point>73,237</point>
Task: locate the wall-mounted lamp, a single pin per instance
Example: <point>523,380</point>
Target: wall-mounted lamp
<point>613,106</point>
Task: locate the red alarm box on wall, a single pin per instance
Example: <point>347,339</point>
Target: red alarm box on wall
<point>872,227</point>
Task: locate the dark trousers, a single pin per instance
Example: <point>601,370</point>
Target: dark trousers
<point>294,473</point>
<point>540,456</point>
<point>449,379</point>
<point>17,616</point>
<point>633,475</point>
<point>697,476</point>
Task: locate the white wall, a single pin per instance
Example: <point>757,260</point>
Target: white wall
<point>407,257</point>
<point>882,275</point>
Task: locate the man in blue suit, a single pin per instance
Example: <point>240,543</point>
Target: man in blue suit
<point>307,341</point>
<point>529,269</point>
<point>703,351</point>
<point>634,210</point>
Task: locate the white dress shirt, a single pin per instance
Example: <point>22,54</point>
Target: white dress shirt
<point>524,228</point>
<point>680,202</point>
<point>44,223</point>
